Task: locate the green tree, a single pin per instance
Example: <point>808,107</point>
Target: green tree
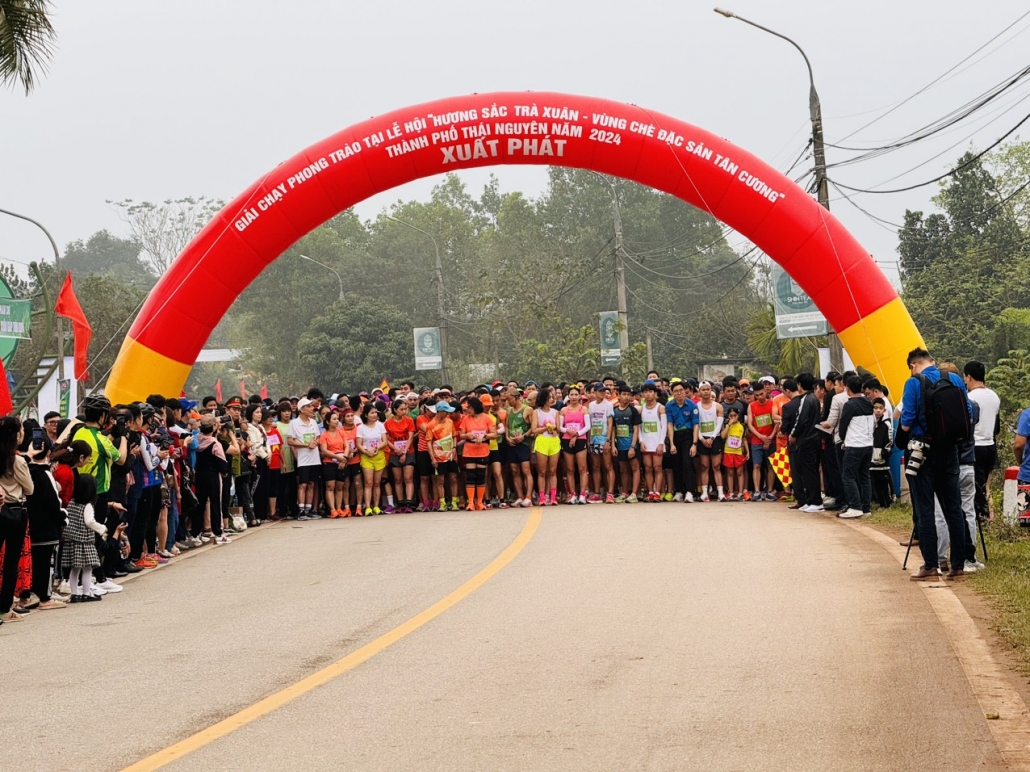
<point>26,41</point>
<point>163,230</point>
<point>355,343</point>
<point>106,255</point>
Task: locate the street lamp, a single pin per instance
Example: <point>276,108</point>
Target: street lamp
<point>818,150</point>
<point>440,316</point>
<point>620,274</point>
<point>328,268</point>
<point>58,324</point>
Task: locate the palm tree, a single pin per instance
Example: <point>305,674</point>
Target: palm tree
<point>792,355</point>
<point>26,41</point>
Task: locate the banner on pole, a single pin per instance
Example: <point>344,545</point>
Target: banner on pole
<point>611,353</point>
<point>15,319</point>
<point>796,314</point>
<point>428,354</point>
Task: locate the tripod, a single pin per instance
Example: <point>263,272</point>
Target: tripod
<point>979,528</point>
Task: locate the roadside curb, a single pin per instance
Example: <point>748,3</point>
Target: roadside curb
<point>987,679</point>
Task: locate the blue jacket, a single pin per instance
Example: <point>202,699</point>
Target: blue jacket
<point>912,413</point>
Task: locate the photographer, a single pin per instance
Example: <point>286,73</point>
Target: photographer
<point>933,461</point>
<point>226,436</point>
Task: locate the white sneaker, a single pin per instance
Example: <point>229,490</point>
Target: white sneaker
<point>223,539</point>
<point>98,590</point>
<point>64,588</point>
<point>582,499</point>
<point>704,497</point>
<point>849,514</point>
<point>688,497</point>
<point>813,508</point>
<point>977,565</point>
<point>527,502</point>
<point>829,501</point>
<point>110,586</point>
<point>722,497</point>
<point>970,568</point>
<point>678,497</point>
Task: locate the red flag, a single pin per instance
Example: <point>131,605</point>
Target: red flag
<point>6,405</point>
<point>218,390</point>
<point>264,392</point>
<point>243,389</point>
<point>68,306</point>
<point>182,394</point>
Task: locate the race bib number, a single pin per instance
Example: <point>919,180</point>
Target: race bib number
<point>733,442</point>
<point>763,420</point>
<point>372,446</point>
<point>597,430</point>
<point>351,446</point>
<point>707,427</point>
<point>273,442</point>
<point>478,435</point>
<point>445,444</point>
<point>308,438</point>
<point>402,446</point>
<point>622,431</point>
<point>651,427</point>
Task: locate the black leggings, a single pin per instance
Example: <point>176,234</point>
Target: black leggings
<point>261,489</point>
<point>43,564</point>
<point>12,536</point>
<point>683,462</point>
<point>209,490</point>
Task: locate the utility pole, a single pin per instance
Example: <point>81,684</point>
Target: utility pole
<point>441,318</point>
<point>650,356</point>
<point>818,150</point>
<point>58,321</point>
<point>620,275</point>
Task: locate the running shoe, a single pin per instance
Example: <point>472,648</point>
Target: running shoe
<point>704,497</point>
<point>609,499</point>
<point>594,498</point>
<point>621,498</point>
<point>345,512</point>
<point>222,540</point>
<point>582,499</point>
<point>668,497</point>
<point>632,498</point>
<point>376,511</point>
<point>453,506</point>
<point>722,497</point>
<point>503,505</point>
<point>571,500</point>
<point>527,503</point>
<point>158,558</point>
<point>746,496</point>
<point>389,510</point>
<point>688,498</point>
<point>359,512</point>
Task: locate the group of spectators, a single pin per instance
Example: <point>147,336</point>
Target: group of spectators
<point>126,488</point>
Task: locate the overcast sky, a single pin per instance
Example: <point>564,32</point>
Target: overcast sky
<point>153,101</point>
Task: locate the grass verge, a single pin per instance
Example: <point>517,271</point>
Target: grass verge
<point>1006,581</point>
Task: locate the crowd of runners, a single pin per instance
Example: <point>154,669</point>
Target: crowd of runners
<point>126,488</point>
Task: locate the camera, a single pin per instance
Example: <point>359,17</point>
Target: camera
<point>916,457</point>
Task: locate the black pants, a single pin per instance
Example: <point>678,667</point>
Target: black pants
<point>44,560</point>
<point>243,498</point>
<point>855,471</point>
<point>261,489</point>
<point>883,485</point>
<point>805,472</point>
<point>12,536</point>
<point>209,491</point>
<point>100,513</point>
<point>986,458</point>
<point>287,500</point>
<point>832,476</point>
<point>938,477</point>
<point>683,462</point>
<point>144,526</point>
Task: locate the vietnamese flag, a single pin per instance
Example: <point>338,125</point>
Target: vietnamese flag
<point>243,389</point>
<point>264,392</point>
<point>218,391</point>
<point>68,306</point>
<point>6,404</point>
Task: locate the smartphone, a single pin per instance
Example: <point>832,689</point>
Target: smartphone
<point>37,439</point>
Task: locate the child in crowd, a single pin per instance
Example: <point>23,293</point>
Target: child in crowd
<point>883,444</point>
<point>735,454</point>
<point>80,551</point>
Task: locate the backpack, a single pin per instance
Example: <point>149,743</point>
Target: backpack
<point>946,411</point>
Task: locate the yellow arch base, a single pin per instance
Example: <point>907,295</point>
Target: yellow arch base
<point>881,341</point>
<point>139,372</point>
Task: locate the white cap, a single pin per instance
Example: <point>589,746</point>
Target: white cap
<point>767,379</point>
<point>304,401</point>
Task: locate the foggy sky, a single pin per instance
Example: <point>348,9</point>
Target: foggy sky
<point>153,101</point>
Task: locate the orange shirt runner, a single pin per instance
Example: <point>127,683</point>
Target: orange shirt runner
<point>478,426</point>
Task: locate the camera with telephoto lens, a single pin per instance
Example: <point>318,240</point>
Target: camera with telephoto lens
<point>915,457</point>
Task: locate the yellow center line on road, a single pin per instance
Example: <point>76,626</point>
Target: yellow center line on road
<point>338,668</point>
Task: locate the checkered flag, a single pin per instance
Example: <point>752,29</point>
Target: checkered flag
<point>780,462</point>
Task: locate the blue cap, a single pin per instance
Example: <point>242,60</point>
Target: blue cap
<point>445,407</point>
<point>187,404</point>
<point>651,384</point>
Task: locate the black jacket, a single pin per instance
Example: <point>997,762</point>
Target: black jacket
<point>46,517</point>
<point>809,415</point>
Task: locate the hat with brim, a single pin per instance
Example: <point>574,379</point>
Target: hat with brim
<point>444,406</point>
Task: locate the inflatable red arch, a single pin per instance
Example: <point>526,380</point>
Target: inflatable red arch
<point>512,128</point>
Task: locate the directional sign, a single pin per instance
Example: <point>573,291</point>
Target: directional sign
<point>796,314</point>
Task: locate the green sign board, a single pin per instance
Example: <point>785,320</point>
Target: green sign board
<point>428,352</point>
<point>611,352</point>
<point>796,314</point>
<point>9,344</point>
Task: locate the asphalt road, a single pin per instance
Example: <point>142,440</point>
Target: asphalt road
<point>632,637</point>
